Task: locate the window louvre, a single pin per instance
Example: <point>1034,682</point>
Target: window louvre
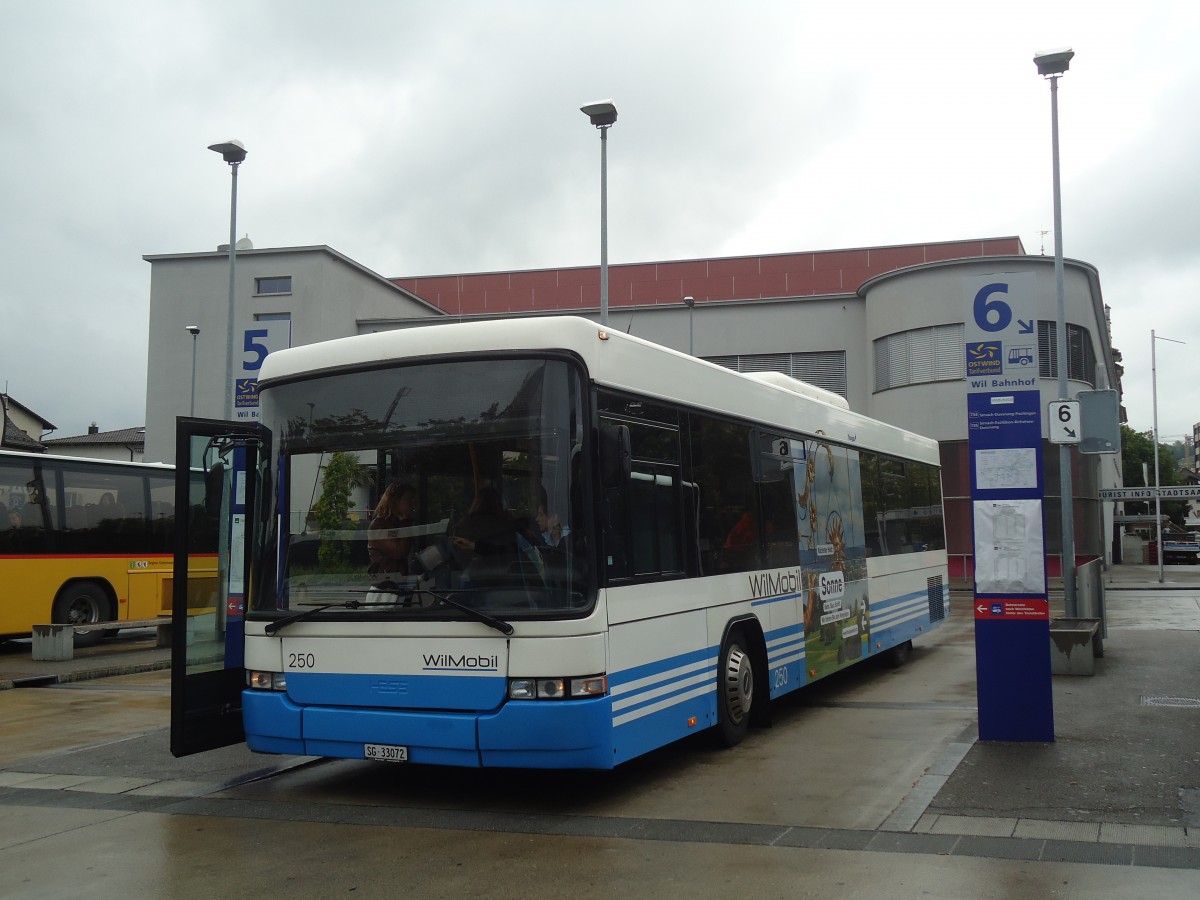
<point>919,356</point>
<point>1081,356</point>
<point>825,369</point>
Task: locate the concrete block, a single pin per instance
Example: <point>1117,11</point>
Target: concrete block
<point>52,643</point>
<point>1071,646</point>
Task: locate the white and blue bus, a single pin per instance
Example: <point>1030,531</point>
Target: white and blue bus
<point>541,543</point>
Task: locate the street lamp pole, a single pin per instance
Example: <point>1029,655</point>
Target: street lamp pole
<point>194,331</point>
<point>1154,339</point>
<point>690,303</point>
<point>234,153</point>
<point>602,114</point>
<point>1051,65</point>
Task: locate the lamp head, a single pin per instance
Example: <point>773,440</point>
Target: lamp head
<point>689,302</point>
<point>231,151</point>
<point>602,113</point>
<point>193,330</point>
<point>1053,62</point>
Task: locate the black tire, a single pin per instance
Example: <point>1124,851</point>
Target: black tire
<point>898,655</point>
<point>735,690</point>
<point>83,603</point>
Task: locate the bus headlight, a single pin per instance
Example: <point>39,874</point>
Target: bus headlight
<point>596,686</point>
<point>266,681</point>
<point>557,688</point>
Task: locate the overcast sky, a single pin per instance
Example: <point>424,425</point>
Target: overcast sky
<point>423,138</point>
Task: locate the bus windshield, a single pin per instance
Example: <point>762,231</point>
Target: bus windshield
<point>444,490</point>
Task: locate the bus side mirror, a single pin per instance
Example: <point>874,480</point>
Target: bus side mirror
<point>616,455</point>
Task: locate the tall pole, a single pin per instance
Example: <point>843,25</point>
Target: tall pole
<point>233,152</point>
<point>1066,490</point>
<point>229,379</point>
<point>604,226</point>
<point>602,114</point>
<point>1157,483</point>
<point>1154,339</point>
<point>195,334</point>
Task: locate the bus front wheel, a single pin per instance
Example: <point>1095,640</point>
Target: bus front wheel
<point>82,603</point>
<point>735,690</point>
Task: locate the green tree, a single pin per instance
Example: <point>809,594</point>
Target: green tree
<point>1137,447</point>
<point>342,474</point>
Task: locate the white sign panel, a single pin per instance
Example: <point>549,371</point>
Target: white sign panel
<point>261,339</point>
<point>1063,421</point>
<point>1001,332</point>
<point>1008,547</point>
<point>1012,468</point>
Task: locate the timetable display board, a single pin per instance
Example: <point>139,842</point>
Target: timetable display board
<point>1004,433</point>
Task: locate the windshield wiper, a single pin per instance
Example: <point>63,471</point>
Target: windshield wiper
<point>277,624</point>
<point>499,624</point>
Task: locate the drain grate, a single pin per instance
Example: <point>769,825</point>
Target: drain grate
<point>1181,702</point>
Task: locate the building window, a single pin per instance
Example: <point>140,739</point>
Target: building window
<point>1081,357</point>
<point>825,369</point>
<point>277,284</point>
<point>920,356</point>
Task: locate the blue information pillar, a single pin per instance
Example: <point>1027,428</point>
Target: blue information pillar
<point>1004,430</point>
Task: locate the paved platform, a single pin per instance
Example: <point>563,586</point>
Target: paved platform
<point>128,653</point>
<point>1119,785</point>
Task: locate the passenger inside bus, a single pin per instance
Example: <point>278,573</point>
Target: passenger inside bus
<point>109,508</point>
<point>549,528</point>
<point>388,551</point>
<point>486,529</point>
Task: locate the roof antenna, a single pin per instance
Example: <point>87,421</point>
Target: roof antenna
<point>1043,234</point>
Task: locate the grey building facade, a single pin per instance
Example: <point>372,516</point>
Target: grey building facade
<point>883,327</point>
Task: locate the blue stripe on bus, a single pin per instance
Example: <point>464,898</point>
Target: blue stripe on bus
<point>660,666</point>
<point>702,680</point>
<point>785,659</point>
<point>895,620</point>
<point>785,646</point>
<point>692,713</point>
<point>765,600</point>
<point>900,612</point>
<point>662,701</point>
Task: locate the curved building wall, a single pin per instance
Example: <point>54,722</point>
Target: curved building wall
<point>915,349</point>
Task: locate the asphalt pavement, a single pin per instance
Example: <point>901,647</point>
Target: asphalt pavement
<point>1120,783</point>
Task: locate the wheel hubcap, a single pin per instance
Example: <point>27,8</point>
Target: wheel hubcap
<point>83,612</point>
<point>739,684</point>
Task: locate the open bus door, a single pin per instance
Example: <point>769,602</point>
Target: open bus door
<point>214,486</point>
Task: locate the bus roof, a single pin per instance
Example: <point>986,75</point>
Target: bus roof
<point>618,361</point>
<point>6,453</point>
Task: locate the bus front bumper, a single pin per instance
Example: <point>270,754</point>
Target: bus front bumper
<point>536,734</point>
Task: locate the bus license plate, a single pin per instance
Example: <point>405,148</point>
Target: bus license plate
<point>385,752</point>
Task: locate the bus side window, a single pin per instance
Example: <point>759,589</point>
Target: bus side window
<point>774,469</point>
<point>729,515</point>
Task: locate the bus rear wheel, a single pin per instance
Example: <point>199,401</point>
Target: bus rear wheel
<point>735,690</point>
<point>83,603</point>
<point>898,655</point>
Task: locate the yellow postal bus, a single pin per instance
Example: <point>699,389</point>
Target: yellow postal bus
<point>85,540</point>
